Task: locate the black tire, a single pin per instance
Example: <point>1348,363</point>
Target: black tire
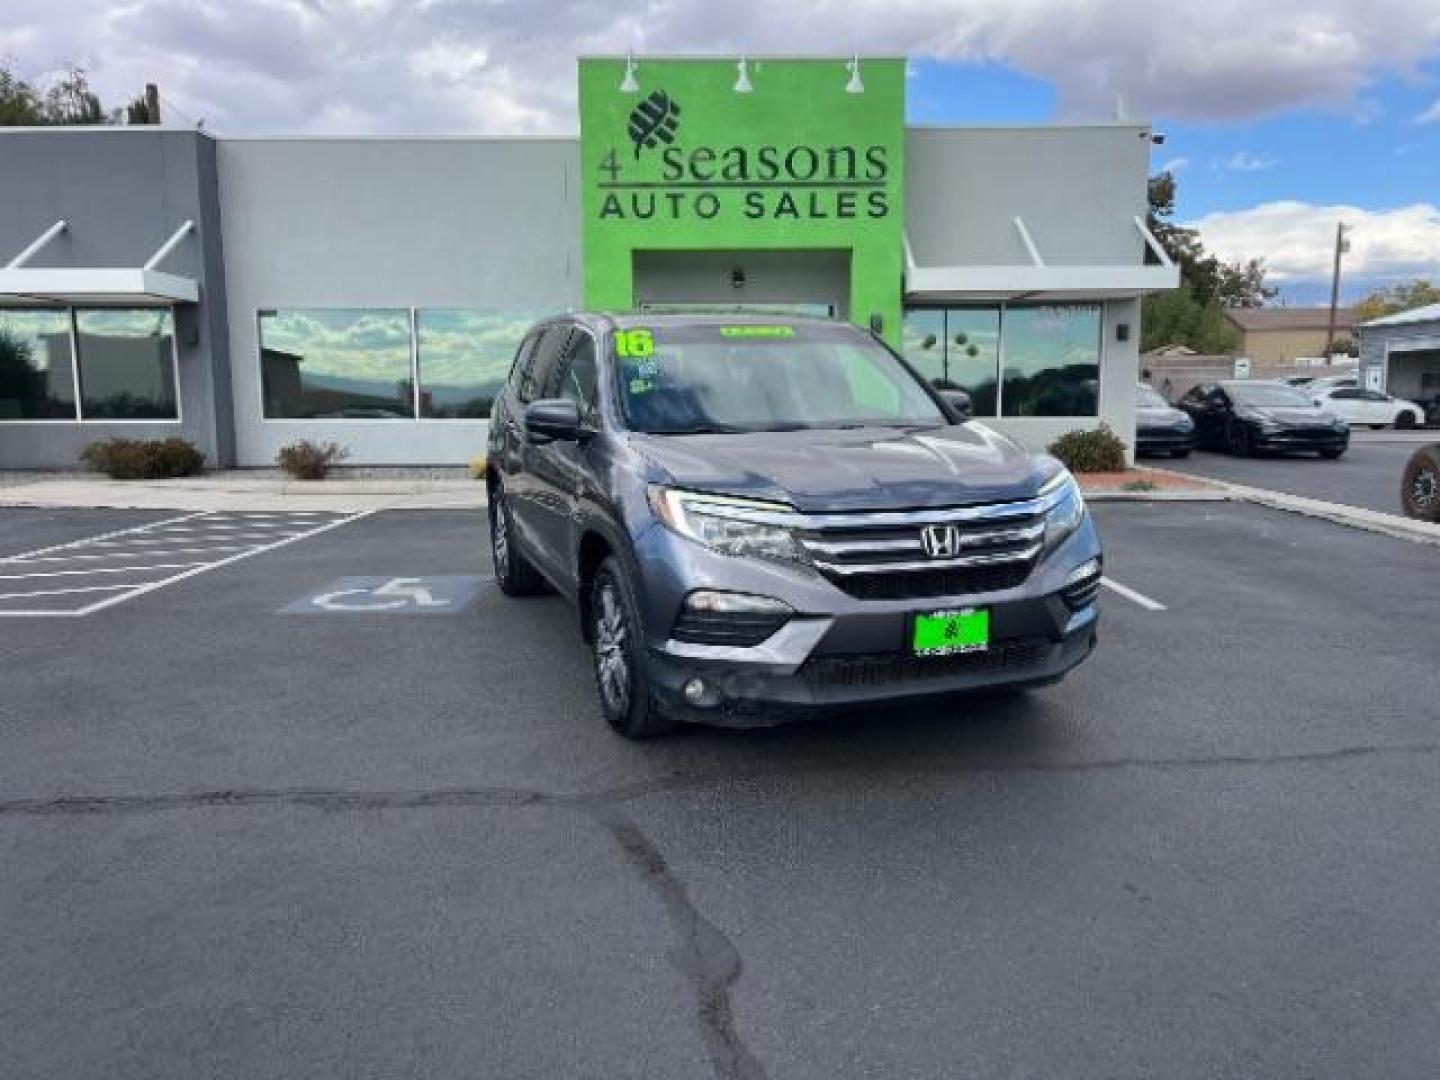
<point>1180,452</point>
<point>1406,420</point>
<point>1332,452</point>
<point>1420,485</point>
<point>1239,441</point>
<point>617,645</point>
<point>513,572</point>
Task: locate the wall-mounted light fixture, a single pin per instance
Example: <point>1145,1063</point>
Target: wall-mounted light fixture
<point>855,85</point>
<point>628,85</point>
<point>742,84</point>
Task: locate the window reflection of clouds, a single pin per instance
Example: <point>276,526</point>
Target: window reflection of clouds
<point>349,343</point>
<point>465,355</point>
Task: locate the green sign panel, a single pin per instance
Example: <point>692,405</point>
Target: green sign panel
<point>810,158</point>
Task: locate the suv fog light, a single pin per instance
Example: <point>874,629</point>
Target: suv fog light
<point>694,691</point>
<point>1081,585</point>
<point>712,617</point>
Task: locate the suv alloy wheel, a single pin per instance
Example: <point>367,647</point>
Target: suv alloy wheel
<point>617,644</point>
<point>513,572</point>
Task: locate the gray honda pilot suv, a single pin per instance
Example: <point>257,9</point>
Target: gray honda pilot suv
<point>760,518</point>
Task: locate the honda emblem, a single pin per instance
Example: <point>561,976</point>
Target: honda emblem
<point>940,541</point>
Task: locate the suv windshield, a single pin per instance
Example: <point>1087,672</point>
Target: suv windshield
<point>1269,395</point>
<point>679,379</point>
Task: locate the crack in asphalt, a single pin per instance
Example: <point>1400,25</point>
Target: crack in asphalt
<point>707,959</point>
<point>341,799</point>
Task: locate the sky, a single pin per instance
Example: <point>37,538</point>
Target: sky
<point>1281,117</point>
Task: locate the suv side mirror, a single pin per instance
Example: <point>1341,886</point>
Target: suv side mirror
<point>959,402</point>
<point>552,418</point>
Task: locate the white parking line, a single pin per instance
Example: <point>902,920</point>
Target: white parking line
<point>97,570</point>
<point>127,548</point>
<point>1131,595</point>
<point>62,592</point>
<point>103,536</point>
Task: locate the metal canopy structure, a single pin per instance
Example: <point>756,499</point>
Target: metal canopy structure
<point>1039,280</point>
<point>138,286</point>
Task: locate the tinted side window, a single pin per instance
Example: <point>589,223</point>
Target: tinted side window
<point>523,356</point>
<point>539,375</point>
<point>575,379</point>
<point>1345,395</point>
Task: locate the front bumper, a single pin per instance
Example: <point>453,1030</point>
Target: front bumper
<point>1163,440</point>
<point>842,653</point>
<point>1300,441</point>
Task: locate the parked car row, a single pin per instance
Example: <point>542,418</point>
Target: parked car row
<point>1242,416</point>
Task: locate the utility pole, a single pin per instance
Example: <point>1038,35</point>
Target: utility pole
<point>1342,245</point>
<point>152,103</point>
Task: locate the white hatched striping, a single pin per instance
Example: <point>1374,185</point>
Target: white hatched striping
<point>32,580</point>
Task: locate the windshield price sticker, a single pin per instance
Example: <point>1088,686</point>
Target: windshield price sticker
<point>634,344</point>
<point>757,331</point>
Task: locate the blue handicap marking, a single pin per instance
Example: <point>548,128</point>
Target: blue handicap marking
<point>432,594</point>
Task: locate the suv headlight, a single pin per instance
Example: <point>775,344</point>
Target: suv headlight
<point>1065,516</point>
<point>728,525</point>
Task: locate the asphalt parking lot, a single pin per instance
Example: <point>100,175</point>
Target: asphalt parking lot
<point>245,841</point>
<point>1367,476</point>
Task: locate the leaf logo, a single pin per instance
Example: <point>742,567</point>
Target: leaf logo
<point>654,120</point>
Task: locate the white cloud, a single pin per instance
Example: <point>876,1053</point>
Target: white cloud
<point>506,68</point>
<point>1297,240</point>
<point>1430,115</point>
<point>1244,161</point>
<point>1174,165</point>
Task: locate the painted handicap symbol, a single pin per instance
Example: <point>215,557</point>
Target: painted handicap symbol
<point>442,594</point>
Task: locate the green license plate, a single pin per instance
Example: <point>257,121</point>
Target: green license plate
<point>944,633</point>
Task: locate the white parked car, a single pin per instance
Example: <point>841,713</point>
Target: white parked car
<point>1356,406</point>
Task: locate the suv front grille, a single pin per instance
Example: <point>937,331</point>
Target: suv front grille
<point>887,556</point>
<point>888,669</point>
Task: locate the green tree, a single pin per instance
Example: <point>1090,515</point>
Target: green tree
<point>1397,298</point>
<point>1193,314</point>
<point>68,100</point>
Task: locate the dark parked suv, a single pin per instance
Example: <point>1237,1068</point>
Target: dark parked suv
<point>760,518</point>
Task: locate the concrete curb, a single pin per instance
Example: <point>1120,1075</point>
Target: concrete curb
<point>235,495</point>
<point>1158,495</point>
<point>1403,528</point>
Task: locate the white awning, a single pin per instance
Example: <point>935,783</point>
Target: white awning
<point>95,285</point>
<point>138,286</point>
<point>1039,280</point>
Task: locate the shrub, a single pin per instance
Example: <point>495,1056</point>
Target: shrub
<point>306,460</point>
<point>1099,450</point>
<point>143,459</point>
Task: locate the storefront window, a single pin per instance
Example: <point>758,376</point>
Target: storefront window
<point>922,342</point>
<point>1052,360</point>
<point>972,355</point>
<point>36,377</point>
<point>127,364</point>
<point>956,349</point>
<point>336,364</point>
<point>465,357</point>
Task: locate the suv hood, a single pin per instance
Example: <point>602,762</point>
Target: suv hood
<point>865,469</point>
